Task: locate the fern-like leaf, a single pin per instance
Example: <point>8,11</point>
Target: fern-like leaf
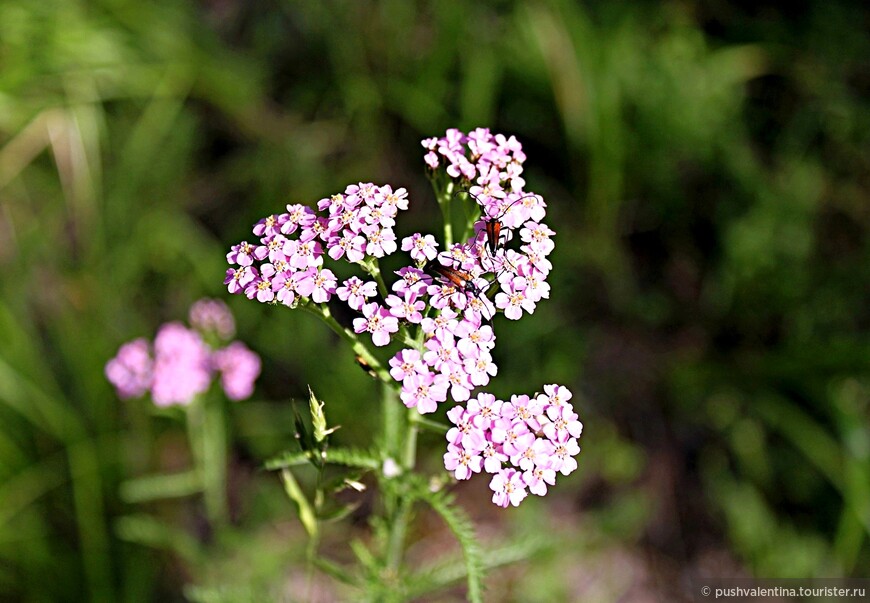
<point>285,460</point>
<point>461,526</point>
<point>451,570</point>
<point>349,457</point>
<point>353,457</point>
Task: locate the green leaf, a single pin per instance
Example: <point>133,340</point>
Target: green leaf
<point>463,529</point>
<point>364,555</point>
<point>450,569</point>
<point>348,479</point>
<point>318,418</point>
<point>349,457</point>
<point>155,487</point>
<point>287,459</point>
<point>146,530</point>
<point>340,513</point>
<point>305,438</point>
<point>352,457</point>
<point>335,570</point>
<point>306,511</point>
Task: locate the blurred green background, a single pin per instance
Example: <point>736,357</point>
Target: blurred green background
<point>706,168</point>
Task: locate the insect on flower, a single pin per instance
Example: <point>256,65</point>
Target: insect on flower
<point>364,365</point>
<point>493,225</point>
<point>462,281</point>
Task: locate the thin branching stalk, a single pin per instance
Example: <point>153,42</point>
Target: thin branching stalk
<point>358,346</point>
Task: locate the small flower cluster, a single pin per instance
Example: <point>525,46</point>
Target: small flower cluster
<point>181,364</point>
<point>287,262</point>
<point>458,345</point>
<point>489,168</point>
<point>478,155</point>
<point>523,443</point>
<point>457,359</point>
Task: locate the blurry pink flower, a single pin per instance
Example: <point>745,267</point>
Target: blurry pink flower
<point>212,316</point>
<point>182,367</point>
<point>239,368</point>
<point>130,370</point>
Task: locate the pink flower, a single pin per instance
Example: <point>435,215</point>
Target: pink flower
<point>412,279</point>
<point>441,352</point>
<point>514,300</point>
<point>508,488</point>
<point>409,308</point>
<point>261,288</point>
<point>378,321</point>
<point>421,248</point>
<point>270,225</point>
<point>381,241</point>
<point>319,286</point>
<point>239,368</point>
<point>183,364</point>
<point>423,392</point>
<point>510,442</point>
<point>480,369</point>
<point>182,367</point>
<point>462,462</point>
<point>537,479</point>
<point>212,316</point>
<point>564,424</point>
<point>131,369</point>
<point>537,455</point>
<point>563,456</point>
<point>406,364</point>
<point>355,292</point>
<point>304,255</point>
<point>460,384</point>
<point>442,326</point>
<point>287,284</point>
<point>241,254</point>
<point>474,339</point>
<point>349,244</point>
<point>556,395</point>
<point>466,433</point>
<point>485,409</point>
<point>237,279</point>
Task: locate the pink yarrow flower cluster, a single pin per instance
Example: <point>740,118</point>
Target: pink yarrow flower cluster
<point>477,155</point>
<point>285,265</point>
<point>458,345</point>
<point>489,168</point>
<point>180,365</point>
<point>523,443</point>
<point>447,298</point>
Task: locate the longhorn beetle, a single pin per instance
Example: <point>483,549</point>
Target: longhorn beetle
<point>457,278</point>
<point>493,225</point>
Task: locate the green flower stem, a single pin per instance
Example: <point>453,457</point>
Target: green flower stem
<point>444,204</point>
<point>402,449</point>
<point>393,420</point>
<point>358,346</point>
<point>411,441</point>
<point>400,515</point>
<point>374,269</point>
<point>207,432</point>
<point>398,529</point>
<point>424,423</point>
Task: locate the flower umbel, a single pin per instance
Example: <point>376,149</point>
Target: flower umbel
<point>523,442</point>
<point>440,306</point>
<point>181,365</point>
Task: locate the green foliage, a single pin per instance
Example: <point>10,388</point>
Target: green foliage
<point>705,169</point>
<point>463,529</point>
